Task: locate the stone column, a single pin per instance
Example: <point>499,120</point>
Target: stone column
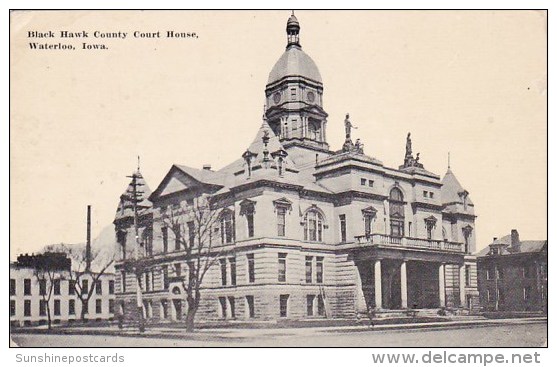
<point>462,286</point>
<point>442,285</point>
<point>377,290</point>
<point>403,286</point>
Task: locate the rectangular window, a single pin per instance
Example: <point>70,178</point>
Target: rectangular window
<point>283,304</point>
<point>177,237</point>
<point>12,287</point>
<point>320,306</point>
<point>222,301</point>
<point>342,219</point>
<point>232,261</point>
<point>363,181</point>
<point>111,287</point>
<point>232,303</point>
<point>293,93</point>
<point>249,218</point>
<point>431,194</point>
<point>42,307</point>
<point>164,231</point>
<point>56,284</point>
<point>425,194</point>
<point>309,305</point>
<point>99,306</point>
<point>99,287</point>
<point>319,269</point>
<point>27,307</point>
<point>527,293</point>
<point>191,233</point>
<point>282,267</point>
<point>281,222</point>
<point>123,281</point>
<point>42,287</point>
<point>309,269</point>
<point>223,271</point>
<point>178,269</point>
<point>526,271</point>
<point>251,268</point>
<point>85,286</point>
<point>498,273</point>
<point>71,307</point>
<point>85,306</point>
<point>488,295</point>
<point>71,287</point>
<point>165,276</point>
<point>111,306</point>
<point>488,274</point>
<point>468,275</point>
<point>250,306</point>
<point>147,281</point>
<point>56,307</point>
<point>370,183</point>
<point>367,224</point>
<point>27,287</point>
<point>12,307</point>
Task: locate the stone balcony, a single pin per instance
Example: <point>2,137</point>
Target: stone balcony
<point>409,243</point>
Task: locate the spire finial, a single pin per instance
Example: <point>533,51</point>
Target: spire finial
<point>138,163</point>
<point>449,161</point>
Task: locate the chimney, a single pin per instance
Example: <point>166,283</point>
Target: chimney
<point>88,245</point>
<point>515,240</point>
<point>206,167</point>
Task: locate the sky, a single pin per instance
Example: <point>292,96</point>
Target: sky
<point>472,83</point>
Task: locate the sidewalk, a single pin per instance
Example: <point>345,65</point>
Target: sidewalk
<point>247,333</point>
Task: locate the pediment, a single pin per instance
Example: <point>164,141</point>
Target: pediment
<point>175,181</point>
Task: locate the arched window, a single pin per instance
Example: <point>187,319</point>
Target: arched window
<point>227,226</point>
<point>396,212</point>
<point>313,226</point>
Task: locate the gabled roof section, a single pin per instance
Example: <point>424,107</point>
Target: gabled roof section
<point>125,206</point>
<point>452,190</point>
<point>528,246</point>
<point>180,178</point>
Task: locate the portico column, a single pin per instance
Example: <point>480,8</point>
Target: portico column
<point>442,285</point>
<point>378,291</point>
<point>462,285</point>
<point>403,286</point>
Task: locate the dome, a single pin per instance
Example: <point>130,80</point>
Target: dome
<point>294,62</point>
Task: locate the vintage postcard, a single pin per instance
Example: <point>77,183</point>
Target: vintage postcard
<point>279,179</point>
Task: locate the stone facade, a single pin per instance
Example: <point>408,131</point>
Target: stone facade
<point>303,231</point>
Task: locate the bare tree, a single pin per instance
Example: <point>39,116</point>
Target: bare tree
<point>46,277</point>
<point>81,272</point>
<point>197,220</point>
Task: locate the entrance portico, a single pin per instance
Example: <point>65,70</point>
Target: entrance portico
<point>402,280</point>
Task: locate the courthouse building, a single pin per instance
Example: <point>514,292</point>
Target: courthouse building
<point>306,230</point>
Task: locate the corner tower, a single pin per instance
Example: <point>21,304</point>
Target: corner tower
<point>294,97</point>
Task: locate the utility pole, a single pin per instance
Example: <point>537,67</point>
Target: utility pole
<point>135,199</point>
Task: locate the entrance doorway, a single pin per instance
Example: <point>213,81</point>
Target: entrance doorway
<point>423,284</point>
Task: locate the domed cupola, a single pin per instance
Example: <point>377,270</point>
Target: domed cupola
<point>294,95</point>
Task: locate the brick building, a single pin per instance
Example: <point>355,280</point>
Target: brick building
<point>29,292</point>
<point>305,231</point>
<point>512,274</point>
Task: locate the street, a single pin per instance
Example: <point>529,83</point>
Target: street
<point>506,335</point>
